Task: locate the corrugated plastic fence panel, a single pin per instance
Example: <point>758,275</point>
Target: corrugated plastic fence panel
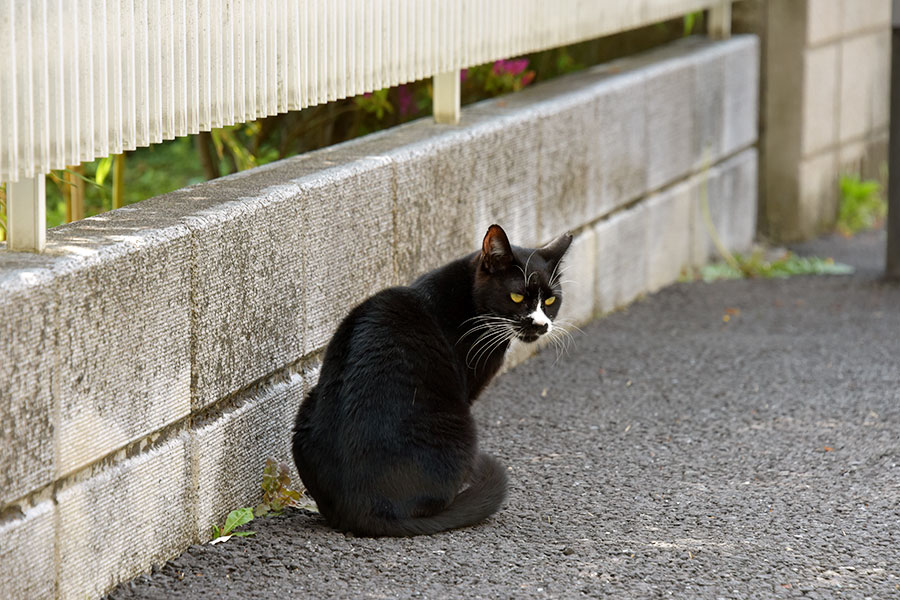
<point>82,79</point>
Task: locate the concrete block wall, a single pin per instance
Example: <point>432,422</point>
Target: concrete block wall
<point>825,105</point>
<point>155,356</point>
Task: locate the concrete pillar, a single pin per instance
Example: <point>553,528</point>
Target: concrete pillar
<point>824,105</point>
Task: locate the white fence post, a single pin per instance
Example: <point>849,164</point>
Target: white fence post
<point>26,214</point>
<point>720,21</point>
<point>446,97</point>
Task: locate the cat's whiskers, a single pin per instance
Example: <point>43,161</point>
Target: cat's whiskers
<point>559,281</point>
<point>505,335</point>
<point>488,342</point>
<point>557,271</point>
<point>524,271</point>
<point>484,322</point>
<point>561,337</point>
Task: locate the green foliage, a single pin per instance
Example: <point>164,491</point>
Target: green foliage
<point>277,491</point>
<point>376,103</point>
<point>691,20</point>
<point>236,518</point>
<point>566,63</point>
<point>103,168</point>
<point>862,205</point>
<point>499,77</point>
<point>151,171</point>
<point>756,265</point>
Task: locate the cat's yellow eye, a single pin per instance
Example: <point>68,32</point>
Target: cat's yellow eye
<point>516,297</point>
<point>550,300</point>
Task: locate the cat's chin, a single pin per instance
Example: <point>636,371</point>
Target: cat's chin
<point>528,338</point>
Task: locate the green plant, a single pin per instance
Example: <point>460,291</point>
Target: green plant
<point>737,266</point>
<point>758,266</point>
<point>236,518</point>
<point>277,491</point>
<point>690,20</point>
<point>862,205</point>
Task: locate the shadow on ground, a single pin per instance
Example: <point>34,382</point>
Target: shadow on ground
<point>672,452</point>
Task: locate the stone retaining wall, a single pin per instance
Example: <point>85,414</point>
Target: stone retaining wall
<point>155,355</point>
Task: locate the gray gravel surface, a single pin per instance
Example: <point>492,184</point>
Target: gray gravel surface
<point>670,453</point>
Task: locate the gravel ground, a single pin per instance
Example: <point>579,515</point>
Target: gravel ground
<point>671,453</point>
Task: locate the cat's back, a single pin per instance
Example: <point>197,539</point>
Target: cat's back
<point>393,340</point>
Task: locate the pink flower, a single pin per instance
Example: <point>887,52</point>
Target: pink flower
<point>406,101</point>
<point>513,67</point>
<point>463,73</point>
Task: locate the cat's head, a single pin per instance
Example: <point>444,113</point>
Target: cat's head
<point>519,288</point>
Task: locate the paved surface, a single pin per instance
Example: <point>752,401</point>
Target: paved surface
<point>670,453</point>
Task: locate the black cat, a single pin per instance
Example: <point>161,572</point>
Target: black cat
<point>385,442</point>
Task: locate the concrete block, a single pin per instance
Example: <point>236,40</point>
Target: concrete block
<point>875,160</point>
<point>126,374</point>
<point>818,193</point>
<point>730,191</point>
<point>669,119</point>
<point>433,207</point>
<point>605,277</point>
<point>824,21</point>
<point>348,233</point>
<point>247,290</point>
<point>821,71</point>
<point>865,84</point>
<point>621,258</point>
<point>123,519</point>
<point>578,272</point>
<point>726,87</point>
<point>502,159</point>
<point>27,458</point>
<point>631,253</point>
<point>568,162</point>
<point>435,213</point>
<point>709,216</point>
<point>739,175</point>
<point>101,323</point>
<point>230,450</point>
<point>622,158</point>
<point>860,15</point>
<point>669,234</point>
<point>27,553</point>
<point>708,107</point>
<point>850,157</point>
<point>740,126</point>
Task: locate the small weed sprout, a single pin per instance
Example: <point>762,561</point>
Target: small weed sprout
<point>756,264</point>
<point>236,518</point>
<point>277,495</point>
<point>277,491</point>
<point>862,205</point>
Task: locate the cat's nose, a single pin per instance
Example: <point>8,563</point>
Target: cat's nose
<point>539,322</point>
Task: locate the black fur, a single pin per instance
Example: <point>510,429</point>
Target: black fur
<point>385,442</point>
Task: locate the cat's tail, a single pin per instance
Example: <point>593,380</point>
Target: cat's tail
<point>483,497</point>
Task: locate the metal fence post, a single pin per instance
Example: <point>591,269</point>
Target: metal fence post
<point>892,263</point>
<point>26,214</point>
<point>446,97</point>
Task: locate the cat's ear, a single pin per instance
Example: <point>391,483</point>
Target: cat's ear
<point>496,253</point>
<point>555,250</point>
